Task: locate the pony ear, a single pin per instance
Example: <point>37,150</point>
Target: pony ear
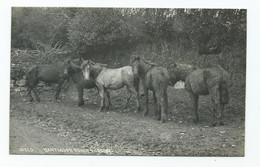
<point>81,59</point>
<point>83,64</point>
<point>91,62</point>
<point>137,57</point>
<point>67,60</point>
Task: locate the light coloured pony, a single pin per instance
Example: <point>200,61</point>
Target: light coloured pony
<point>112,79</point>
<point>212,81</point>
<point>153,78</point>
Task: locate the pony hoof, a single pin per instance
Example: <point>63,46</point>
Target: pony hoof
<point>163,121</point>
<point>214,124</point>
<point>145,113</point>
<point>80,104</point>
<point>221,123</point>
<point>195,120</point>
<point>107,108</point>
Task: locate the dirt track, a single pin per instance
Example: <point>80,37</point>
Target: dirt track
<point>48,127</point>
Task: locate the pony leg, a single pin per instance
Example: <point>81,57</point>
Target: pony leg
<point>221,114</point>
<point>214,119</point>
<point>107,99</point>
<point>195,99</point>
<point>157,105</point>
<point>224,98</point>
<point>214,93</point>
<point>146,101</point>
<point>58,90</point>
<point>36,95</point>
<point>131,90</point>
<point>138,100</point>
<point>30,95</point>
<point>154,97</point>
<point>136,87</point>
<point>129,96</point>
<point>159,109</point>
<point>34,90</point>
<point>31,84</point>
<point>166,103</point>
<point>164,107</point>
<point>101,93</point>
<point>80,96</point>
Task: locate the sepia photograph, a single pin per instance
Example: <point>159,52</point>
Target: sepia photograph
<point>128,81</point>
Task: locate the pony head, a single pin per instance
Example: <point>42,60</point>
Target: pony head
<point>174,74</point>
<point>135,62</point>
<point>85,67</point>
<point>66,67</point>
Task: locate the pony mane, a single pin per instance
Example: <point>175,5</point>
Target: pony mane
<point>181,70</point>
<point>75,67</point>
<point>148,62</point>
<point>219,67</point>
<point>180,65</point>
<point>92,63</point>
<point>96,68</point>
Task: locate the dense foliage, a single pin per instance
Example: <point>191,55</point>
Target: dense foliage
<point>196,36</point>
<point>204,29</point>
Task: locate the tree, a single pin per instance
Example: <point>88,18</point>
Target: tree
<point>92,29</point>
<point>32,27</point>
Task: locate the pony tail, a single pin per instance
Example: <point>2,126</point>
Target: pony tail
<point>136,82</point>
<point>31,75</point>
<point>205,75</point>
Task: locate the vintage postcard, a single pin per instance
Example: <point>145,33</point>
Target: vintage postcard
<point>128,81</point>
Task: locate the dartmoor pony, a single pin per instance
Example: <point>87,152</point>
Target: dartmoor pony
<point>208,81</point>
<point>74,71</point>
<point>156,79</point>
<point>45,73</point>
<point>113,79</point>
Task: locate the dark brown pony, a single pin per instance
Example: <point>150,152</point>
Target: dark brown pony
<point>212,81</point>
<point>75,73</point>
<point>112,79</point>
<point>153,78</point>
<point>45,73</point>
